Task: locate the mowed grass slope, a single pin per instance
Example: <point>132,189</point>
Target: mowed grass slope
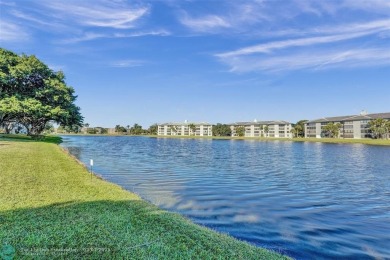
<point>51,208</point>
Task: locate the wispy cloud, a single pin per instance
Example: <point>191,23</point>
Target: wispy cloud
<point>89,36</point>
<point>228,17</point>
<point>110,14</point>
<point>313,52</point>
<point>127,63</point>
<point>78,21</point>
<point>143,33</point>
<point>319,60</point>
<point>30,18</point>
<point>377,6</point>
<point>269,18</point>
<point>268,47</point>
<point>205,23</point>
<point>57,67</point>
<point>10,32</point>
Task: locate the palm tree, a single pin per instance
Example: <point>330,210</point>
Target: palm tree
<point>261,128</point>
<point>173,129</point>
<point>240,131</point>
<point>379,127</point>
<point>298,129</point>
<point>332,129</point>
<point>266,130</point>
<point>294,131</point>
<point>387,129</point>
<point>192,127</point>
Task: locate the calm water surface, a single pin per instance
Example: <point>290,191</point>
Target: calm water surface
<point>306,200</point>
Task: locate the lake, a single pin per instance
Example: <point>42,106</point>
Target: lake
<point>305,200</point>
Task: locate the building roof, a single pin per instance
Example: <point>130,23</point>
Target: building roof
<point>276,122</point>
<point>351,118</point>
<point>184,123</point>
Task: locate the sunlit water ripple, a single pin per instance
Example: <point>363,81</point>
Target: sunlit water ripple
<point>306,200</point>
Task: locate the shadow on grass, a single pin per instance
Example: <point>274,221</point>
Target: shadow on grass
<point>114,229</point>
<point>24,138</point>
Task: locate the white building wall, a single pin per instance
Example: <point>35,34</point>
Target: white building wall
<point>356,130</point>
<point>276,127</point>
<point>318,130</point>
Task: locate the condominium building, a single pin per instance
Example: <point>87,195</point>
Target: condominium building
<point>277,129</point>
<point>185,129</point>
<point>355,126</point>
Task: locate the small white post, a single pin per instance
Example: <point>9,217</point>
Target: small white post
<point>91,164</point>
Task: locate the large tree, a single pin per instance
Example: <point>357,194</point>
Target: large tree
<point>31,94</point>
<point>379,127</point>
<point>136,129</point>
<point>222,130</point>
<point>120,129</point>
<point>298,129</point>
<point>173,129</point>
<point>240,131</point>
<point>192,128</point>
<point>266,130</point>
<point>153,129</point>
<point>332,129</point>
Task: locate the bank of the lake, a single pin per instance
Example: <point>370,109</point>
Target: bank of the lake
<point>319,140</point>
<point>50,206</point>
<point>308,200</point>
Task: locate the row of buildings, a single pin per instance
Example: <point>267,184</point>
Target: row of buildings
<point>354,126</point>
<point>251,129</point>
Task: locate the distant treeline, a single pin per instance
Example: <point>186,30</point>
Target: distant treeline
<point>136,129</point>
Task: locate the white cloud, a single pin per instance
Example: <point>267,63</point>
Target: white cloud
<point>30,18</point>
<point>344,32</point>
<point>142,33</point>
<point>85,37</point>
<point>127,63</point>
<point>89,36</point>
<point>56,67</point>
<point>377,6</point>
<point>98,13</point>
<point>317,60</point>
<point>207,23</point>
<point>10,32</point>
<point>316,52</point>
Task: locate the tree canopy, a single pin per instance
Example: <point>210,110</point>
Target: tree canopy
<point>222,130</point>
<point>32,95</point>
<point>136,129</point>
<point>298,129</point>
<point>192,127</point>
<point>332,129</point>
<point>153,129</point>
<point>379,127</point>
<point>120,129</point>
<point>240,131</point>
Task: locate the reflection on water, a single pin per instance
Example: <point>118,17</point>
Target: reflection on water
<point>307,200</point>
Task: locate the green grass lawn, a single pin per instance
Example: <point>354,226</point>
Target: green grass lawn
<point>50,207</point>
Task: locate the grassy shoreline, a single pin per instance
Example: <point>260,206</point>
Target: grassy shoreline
<point>263,139</point>
<point>51,207</point>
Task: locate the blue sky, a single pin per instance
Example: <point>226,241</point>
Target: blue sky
<point>217,61</point>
